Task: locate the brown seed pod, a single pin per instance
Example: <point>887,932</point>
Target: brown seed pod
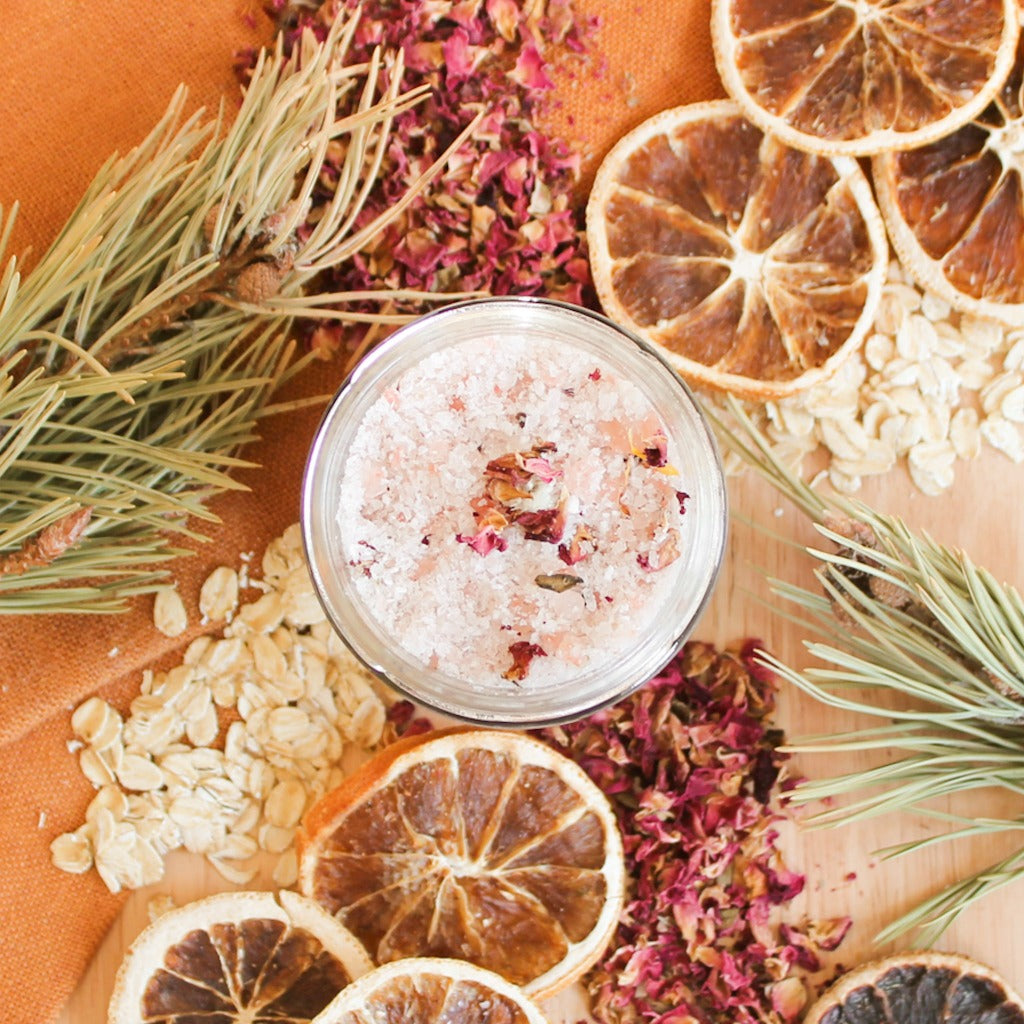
<point>258,282</point>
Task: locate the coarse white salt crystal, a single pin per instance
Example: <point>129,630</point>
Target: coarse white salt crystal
<point>449,471</point>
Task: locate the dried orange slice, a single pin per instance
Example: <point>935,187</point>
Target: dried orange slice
<point>919,988</point>
<point>480,845</point>
<point>754,267</point>
<point>429,990</point>
<point>955,209</point>
<point>858,77</point>
<point>237,958</point>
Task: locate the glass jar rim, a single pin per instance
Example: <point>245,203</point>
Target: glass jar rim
<point>408,345</point>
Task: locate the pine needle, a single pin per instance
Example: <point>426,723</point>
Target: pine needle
<point>141,352</point>
<point>914,633</point>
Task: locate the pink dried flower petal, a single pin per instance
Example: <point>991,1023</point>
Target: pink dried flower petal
<point>685,762</point>
<point>541,468</point>
<point>522,654</point>
<point>459,57</point>
<point>505,14</point>
<point>789,997</point>
<point>530,69</point>
<point>484,541</point>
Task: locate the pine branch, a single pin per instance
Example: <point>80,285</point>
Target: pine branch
<point>142,351</point>
<point>914,633</point>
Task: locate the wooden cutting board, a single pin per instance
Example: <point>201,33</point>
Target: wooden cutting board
<point>844,873</point>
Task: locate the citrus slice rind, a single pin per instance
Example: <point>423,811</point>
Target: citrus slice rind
<point>431,990</point>
<point>481,845</point>
<point>235,957</point>
<point>860,77</point>
<point>753,267</point>
<point>955,209</point>
<point>919,988</point>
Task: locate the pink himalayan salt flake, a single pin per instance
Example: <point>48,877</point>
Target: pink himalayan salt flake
<point>541,417</point>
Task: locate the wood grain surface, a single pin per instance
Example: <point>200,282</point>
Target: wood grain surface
<point>844,873</point>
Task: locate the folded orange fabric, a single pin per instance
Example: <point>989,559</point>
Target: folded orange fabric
<point>72,92</point>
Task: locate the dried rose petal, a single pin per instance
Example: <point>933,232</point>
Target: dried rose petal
<point>502,218</point>
<point>581,545</point>
<point>653,451</point>
<point>789,997</point>
<point>517,489</point>
<point>484,541</point>
<point>522,654</point>
<point>691,764</point>
<point>546,525</point>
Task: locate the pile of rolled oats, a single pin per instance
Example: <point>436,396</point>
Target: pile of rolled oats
<point>929,387</point>
<point>222,754</point>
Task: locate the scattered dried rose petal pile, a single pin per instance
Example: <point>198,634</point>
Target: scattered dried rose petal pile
<point>690,763</point>
<point>501,219</point>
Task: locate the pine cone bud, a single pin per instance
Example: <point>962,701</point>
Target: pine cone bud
<point>852,529</point>
<point>888,592</point>
<point>210,224</point>
<point>258,282</point>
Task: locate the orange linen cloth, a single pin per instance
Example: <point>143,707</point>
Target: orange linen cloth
<point>78,82</point>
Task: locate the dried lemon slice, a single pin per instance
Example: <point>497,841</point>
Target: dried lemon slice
<point>754,267</point>
<point>919,988</point>
<point>237,957</point>
<point>479,845</point>
<point>858,77</point>
<point>429,990</point>
<point>955,209</point>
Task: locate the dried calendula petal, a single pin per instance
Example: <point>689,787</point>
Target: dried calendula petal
<point>169,615</point>
<point>218,597</point>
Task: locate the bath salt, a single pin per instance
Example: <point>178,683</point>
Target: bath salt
<point>510,514</point>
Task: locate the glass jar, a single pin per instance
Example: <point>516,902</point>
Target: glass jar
<point>514,511</point>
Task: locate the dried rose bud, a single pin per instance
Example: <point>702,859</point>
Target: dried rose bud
<point>559,582</point>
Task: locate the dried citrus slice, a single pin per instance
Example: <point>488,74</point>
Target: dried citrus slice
<point>858,77</point>
<point>480,845</point>
<point>919,988</point>
<point>237,957</point>
<point>754,267</point>
<point>429,990</point>
<point>955,209</point>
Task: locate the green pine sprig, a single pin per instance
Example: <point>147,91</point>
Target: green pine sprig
<point>914,633</point>
<point>139,355</point>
